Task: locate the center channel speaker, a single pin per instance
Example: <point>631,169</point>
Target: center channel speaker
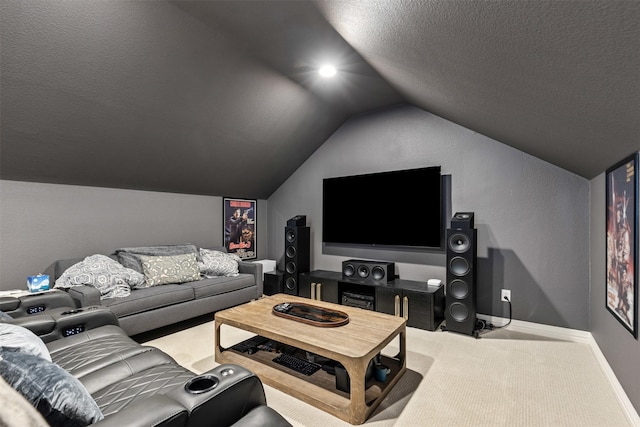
<point>297,257</point>
<point>369,271</point>
<point>460,301</point>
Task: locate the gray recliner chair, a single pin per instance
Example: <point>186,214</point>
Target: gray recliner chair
<point>123,382</point>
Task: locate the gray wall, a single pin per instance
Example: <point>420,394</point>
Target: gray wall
<point>619,347</point>
<point>40,223</point>
<point>531,216</point>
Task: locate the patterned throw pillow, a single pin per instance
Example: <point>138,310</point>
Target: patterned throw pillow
<point>216,263</point>
<point>130,257</point>
<point>161,270</point>
<point>107,275</point>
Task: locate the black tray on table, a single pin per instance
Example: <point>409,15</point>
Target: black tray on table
<point>311,314</point>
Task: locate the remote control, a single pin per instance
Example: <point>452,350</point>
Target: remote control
<point>282,308</point>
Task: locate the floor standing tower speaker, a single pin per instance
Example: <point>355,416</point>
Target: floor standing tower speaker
<point>297,242</point>
<point>460,313</point>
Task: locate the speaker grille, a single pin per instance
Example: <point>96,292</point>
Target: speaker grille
<point>462,220</point>
<point>459,311</point>
<point>377,273</point>
<point>459,266</point>
<point>291,283</point>
<point>458,289</point>
<point>291,251</point>
<point>297,256</point>
<point>291,267</point>
<point>348,270</point>
<point>363,271</point>
<point>462,215</point>
<point>368,271</point>
<point>459,243</point>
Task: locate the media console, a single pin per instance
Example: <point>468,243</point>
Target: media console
<point>422,305</point>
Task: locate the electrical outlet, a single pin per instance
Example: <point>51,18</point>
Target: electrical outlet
<point>505,293</point>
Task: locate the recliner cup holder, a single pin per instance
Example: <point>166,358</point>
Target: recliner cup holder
<point>201,384</point>
<point>64,313</point>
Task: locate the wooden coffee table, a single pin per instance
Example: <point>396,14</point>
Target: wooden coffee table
<point>353,344</point>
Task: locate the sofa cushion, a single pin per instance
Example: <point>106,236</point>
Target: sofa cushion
<point>161,270</point>
<point>146,299</point>
<point>219,285</point>
<point>103,273</point>
<point>139,385</point>
<point>57,395</point>
<point>130,257</point>
<point>20,338</point>
<point>92,350</point>
<point>217,263</point>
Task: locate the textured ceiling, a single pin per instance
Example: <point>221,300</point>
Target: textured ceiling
<point>557,79</point>
<point>221,97</point>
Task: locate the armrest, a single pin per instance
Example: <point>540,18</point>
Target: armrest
<point>36,303</point>
<point>254,268</point>
<point>40,324</point>
<point>84,296</point>
<point>62,322</point>
<point>8,304</point>
<point>70,321</point>
<point>236,392</point>
<point>156,410</point>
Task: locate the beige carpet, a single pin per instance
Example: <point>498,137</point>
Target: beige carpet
<point>505,378</point>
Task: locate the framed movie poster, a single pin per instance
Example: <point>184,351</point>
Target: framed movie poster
<point>622,242</point>
<point>239,217</point>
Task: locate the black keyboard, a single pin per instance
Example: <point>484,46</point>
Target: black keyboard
<point>297,364</point>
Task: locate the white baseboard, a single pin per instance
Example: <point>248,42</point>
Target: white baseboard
<point>627,406</point>
<point>574,335</point>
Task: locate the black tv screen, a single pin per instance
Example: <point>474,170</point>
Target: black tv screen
<point>399,208</point>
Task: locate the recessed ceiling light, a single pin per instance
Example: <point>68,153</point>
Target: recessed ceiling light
<point>327,71</point>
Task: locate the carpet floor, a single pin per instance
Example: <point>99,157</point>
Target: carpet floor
<point>505,378</point>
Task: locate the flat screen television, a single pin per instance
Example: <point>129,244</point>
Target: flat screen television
<point>391,209</point>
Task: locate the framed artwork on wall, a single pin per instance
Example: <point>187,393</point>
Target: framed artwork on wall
<point>622,242</point>
<point>239,217</point>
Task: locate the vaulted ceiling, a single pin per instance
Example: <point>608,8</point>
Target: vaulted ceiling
<point>223,97</point>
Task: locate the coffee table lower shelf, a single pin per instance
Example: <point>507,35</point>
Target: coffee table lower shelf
<point>318,389</point>
<point>353,345</point>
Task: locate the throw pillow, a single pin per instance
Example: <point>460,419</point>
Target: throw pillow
<point>4,316</point>
<point>107,275</point>
<point>21,338</point>
<point>130,257</point>
<point>160,270</point>
<point>216,263</point>
<point>56,394</point>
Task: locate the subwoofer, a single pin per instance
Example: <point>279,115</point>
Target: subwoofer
<point>297,257</point>
<point>369,271</point>
<point>460,301</point>
<point>273,283</point>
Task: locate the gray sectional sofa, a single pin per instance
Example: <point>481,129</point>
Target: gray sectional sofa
<point>152,307</point>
